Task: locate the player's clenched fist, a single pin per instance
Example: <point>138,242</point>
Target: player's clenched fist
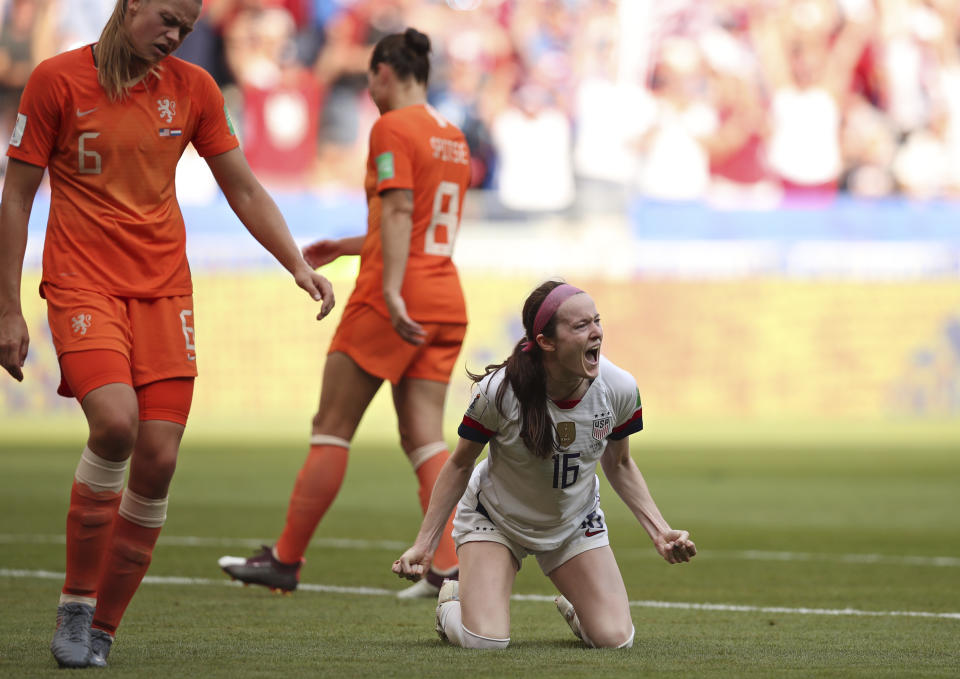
<point>412,564</point>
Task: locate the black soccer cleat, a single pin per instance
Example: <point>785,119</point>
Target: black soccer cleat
<point>263,569</point>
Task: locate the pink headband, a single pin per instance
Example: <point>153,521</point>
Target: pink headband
<point>548,308</point>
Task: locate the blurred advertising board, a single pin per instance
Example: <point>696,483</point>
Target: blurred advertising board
<point>819,317</point>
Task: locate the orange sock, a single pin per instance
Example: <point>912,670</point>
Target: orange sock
<point>445,557</point>
<point>89,527</point>
<point>316,488</point>
<point>130,553</point>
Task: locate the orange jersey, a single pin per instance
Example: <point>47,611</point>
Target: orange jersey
<point>415,148</point>
<point>115,226</point>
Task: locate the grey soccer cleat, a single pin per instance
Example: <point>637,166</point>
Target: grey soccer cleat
<point>450,591</point>
<point>71,640</point>
<point>100,643</point>
<point>263,569</point>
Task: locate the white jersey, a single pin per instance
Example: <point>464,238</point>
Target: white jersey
<point>537,502</point>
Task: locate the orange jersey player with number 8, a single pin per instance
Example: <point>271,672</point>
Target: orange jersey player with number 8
<point>414,149</point>
<point>110,122</point>
<point>405,321</point>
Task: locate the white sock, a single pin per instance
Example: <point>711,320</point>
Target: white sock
<point>459,635</point>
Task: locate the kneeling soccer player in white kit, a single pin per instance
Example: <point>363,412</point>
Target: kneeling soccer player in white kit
<point>550,412</point>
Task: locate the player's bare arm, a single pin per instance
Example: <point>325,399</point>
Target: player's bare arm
<point>447,491</point>
<point>262,218</point>
<point>324,251</point>
<point>626,479</point>
<point>396,224</point>
<point>20,187</point>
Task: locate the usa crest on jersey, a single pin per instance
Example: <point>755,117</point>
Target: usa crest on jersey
<point>601,427</point>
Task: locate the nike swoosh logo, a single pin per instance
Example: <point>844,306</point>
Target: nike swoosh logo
<point>591,533</point>
<point>80,113</point>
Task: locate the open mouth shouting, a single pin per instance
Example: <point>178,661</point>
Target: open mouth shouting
<point>592,356</point>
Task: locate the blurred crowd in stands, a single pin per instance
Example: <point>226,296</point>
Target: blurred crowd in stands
<point>742,103</point>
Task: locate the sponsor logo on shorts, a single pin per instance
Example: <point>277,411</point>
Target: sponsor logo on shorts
<point>593,525</point>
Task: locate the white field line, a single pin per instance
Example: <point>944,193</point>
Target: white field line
<point>397,545</point>
<point>373,591</point>
<point>194,541</point>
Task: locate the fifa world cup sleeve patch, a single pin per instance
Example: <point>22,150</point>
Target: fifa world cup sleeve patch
<point>385,166</point>
<point>477,407</point>
<point>17,137</point>
<point>226,114</point>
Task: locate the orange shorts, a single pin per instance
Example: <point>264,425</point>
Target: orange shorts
<point>370,340</point>
<point>155,335</point>
<point>84,371</point>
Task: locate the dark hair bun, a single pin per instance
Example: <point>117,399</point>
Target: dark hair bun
<point>416,41</point>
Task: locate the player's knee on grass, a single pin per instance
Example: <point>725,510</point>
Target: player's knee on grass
<point>609,635</point>
<point>449,617</point>
<point>470,640</point>
<point>629,642</point>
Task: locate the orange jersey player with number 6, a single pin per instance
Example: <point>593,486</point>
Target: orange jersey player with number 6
<point>110,122</point>
<point>405,321</point>
<point>115,226</point>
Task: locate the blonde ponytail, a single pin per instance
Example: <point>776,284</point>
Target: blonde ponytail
<point>117,64</point>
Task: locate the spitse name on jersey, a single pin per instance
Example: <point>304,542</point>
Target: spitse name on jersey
<point>450,150</point>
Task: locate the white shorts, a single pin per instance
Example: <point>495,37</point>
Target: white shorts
<point>471,523</point>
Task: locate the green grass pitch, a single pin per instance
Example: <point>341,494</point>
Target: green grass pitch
<point>824,552</point>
